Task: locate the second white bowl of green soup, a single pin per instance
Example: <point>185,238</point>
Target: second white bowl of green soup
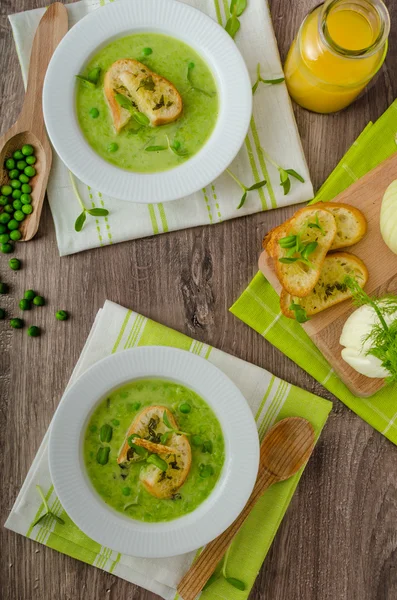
<point>147,101</point>
<point>153,452</point>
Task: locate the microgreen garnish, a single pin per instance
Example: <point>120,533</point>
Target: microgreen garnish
<point>155,148</point>
<point>167,423</point>
<point>284,173</point>
<point>259,79</point>
<point>237,7</point>
<point>94,212</point>
<point>382,337</point>
<point>316,225</point>
<point>92,78</point>
<point>245,188</point>
<point>175,147</point>
<point>296,250</point>
<point>48,512</point>
<point>300,313</point>
<point>147,84</point>
<point>124,102</point>
<point>237,583</point>
<point>190,68</point>
<point>158,462</point>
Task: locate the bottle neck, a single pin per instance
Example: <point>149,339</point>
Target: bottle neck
<point>340,20</point>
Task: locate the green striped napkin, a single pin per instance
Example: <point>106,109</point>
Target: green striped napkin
<point>259,306</point>
<point>270,399</point>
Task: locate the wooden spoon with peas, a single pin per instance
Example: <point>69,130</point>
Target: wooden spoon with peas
<point>284,450</point>
<point>29,128</point>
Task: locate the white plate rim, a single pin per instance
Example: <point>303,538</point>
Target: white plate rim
<point>174,18</point>
<point>110,528</point>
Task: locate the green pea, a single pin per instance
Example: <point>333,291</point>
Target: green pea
<point>15,184</point>
<point>26,188</point>
<point>113,147</point>
<point>16,194</point>
<point>27,150</point>
<point>4,218</point>
<point>10,163</point>
<point>94,113</point>
<point>3,200</point>
<point>31,160</point>
<point>13,225</point>
<point>33,331</point>
<point>3,228</point>
<point>38,301</point>
<point>106,433</point>
<point>4,238</point>
<point>116,422</point>
<point>17,204</point>
<point>147,51</point>
<point>126,491</point>
<point>19,215</point>
<point>21,164</point>
<point>3,288</point>
<point>9,209</point>
<point>23,178</point>
<point>61,315</point>
<point>26,198</point>
<point>158,462</point>
<point>27,209</point>
<point>18,155</point>
<point>25,304</point>
<point>2,313</point>
<point>15,235</point>
<point>6,190</point>
<point>102,456</point>
<point>30,171</point>
<point>185,408</point>
<point>15,264</point>
<point>207,447</point>
<point>197,440</point>
<point>206,471</point>
<point>13,174</point>
<point>16,323</point>
<point>29,295</point>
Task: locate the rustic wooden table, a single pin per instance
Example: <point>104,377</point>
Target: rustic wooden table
<point>338,540</point>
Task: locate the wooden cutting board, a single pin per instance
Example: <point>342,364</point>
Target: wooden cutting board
<point>325,328</point>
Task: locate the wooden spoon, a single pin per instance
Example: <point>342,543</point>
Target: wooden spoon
<point>29,128</point>
<point>284,450</point>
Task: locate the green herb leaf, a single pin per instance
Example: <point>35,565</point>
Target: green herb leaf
<point>165,437</point>
<point>232,26</point>
<point>57,519</point>
<point>287,261</point>
<point>166,420</point>
<point>147,84</point>
<point>316,225</point>
<point>158,462</point>
<point>80,221</point>
<point>295,174</point>
<point>141,118</point>
<point>259,79</point>
<point>309,249</point>
<point>94,75</point>
<point>159,104</point>
<point>300,313</point>
<point>243,199</point>
<point>210,581</point>
<point>155,148</point>
<point>288,242</point>
<point>124,102</point>
<point>98,212</point>
<point>286,186</point>
<point>283,175</point>
<point>37,521</point>
<point>86,81</point>
<point>240,585</point>
<point>255,86</point>
<point>258,185</point>
<point>238,6</point>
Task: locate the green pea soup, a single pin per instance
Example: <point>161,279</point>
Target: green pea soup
<point>119,486</point>
<point>169,58</point>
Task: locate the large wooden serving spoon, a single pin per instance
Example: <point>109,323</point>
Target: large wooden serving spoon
<point>285,449</point>
<point>29,128</point>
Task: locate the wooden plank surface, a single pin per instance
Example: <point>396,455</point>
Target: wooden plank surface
<point>338,540</point>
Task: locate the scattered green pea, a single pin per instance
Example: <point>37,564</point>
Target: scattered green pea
<point>9,209</point>
<point>126,491</point>
<point>13,225</point>
<point>3,288</point>
<point>15,184</point>
<point>18,155</point>
<point>21,164</point>
<point>25,304</point>
<point>29,295</point>
<point>2,313</point>
<point>19,215</point>
<point>116,422</point>
<point>185,408</point>
<point>10,163</point>
<point>197,440</point>
<point>26,188</point>
<point>23,178</point>
<point>26,198</point>
<point>15,235</point>
<point>3,228</point>
<point>61,315</point>
<point>38,301</point>
<point>34,331</point>
<point>3,200</point>
<point>6,248</point>
<point>4,218</point>
<point>207,447</point>
<point>6,190</point>
<point>147,51</point>
<point>102,456</point>
<point>106,433</point>
<point>16,194</point>
<point>206,471</point>
<point>27,150</point>
<point>94,113</point>
<point>13,174</point>
<point>30,171</point>
<point>113,147</point>
<point>4,238</point>
<point>15,264</point>
<point>31,160</point>
<point>17,204</point>
<point>27,209</point>
<point>16,323</point>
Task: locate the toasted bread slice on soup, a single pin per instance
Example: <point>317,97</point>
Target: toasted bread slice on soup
<point>149,426</point>
<point>331,288</point>
<point>351,225</point>
<point>314,226</point>
<point>150,94</point>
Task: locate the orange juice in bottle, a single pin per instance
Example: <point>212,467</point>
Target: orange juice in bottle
<point>339,47</point>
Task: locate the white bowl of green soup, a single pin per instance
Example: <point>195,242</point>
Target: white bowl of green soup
<point>153,452</point>
<point>147,101</point>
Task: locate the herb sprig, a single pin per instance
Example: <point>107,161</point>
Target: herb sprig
<point>237,7</point>
<point>294,246</point>
<point>285,174</point>
<point>316,225</point>
<point>382,337</point>
<point>236,583</point>
<point>166,435</point>
<point>245,188</point>
<point>48,512</point>
<point>92,78</point>
<point>175,147</point>
<point>190,68</point>
<point>124,102</point>
<point>259,79</point>
<point>94,212</point>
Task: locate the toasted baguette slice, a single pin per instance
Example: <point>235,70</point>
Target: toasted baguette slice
<point>298,278</point>
<point>351,225</point>
<point>330,288</point>
<point>152,94</point>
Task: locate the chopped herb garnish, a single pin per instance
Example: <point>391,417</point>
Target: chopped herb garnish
<point>147,84</point>
<point>159,104</point>
<point>48,512</point>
